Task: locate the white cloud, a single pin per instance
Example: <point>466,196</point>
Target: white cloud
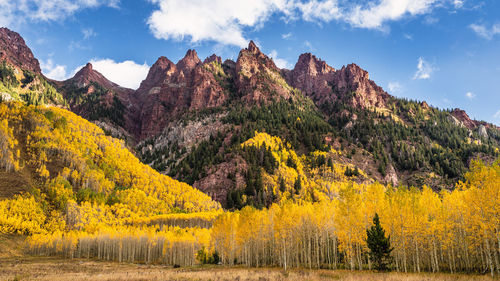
<point>227,21</point>
<point>126,74</point>
<point>18,11</point>
<point>470,95</point>
<point>497,115</point>
<point>375,15</point>
<point>395,88</point>
<point>458,3</point>
<point>222,21</point>
<point>485,32</point>
<point>424,69</point>
<point>281,63</point>
<point>315,10</point>
<point>53,71</point>
<point>88,32</point>
<point>286,35</point>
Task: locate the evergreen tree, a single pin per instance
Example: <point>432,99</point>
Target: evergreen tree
<point>379,245</point>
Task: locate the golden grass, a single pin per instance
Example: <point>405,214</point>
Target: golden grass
<point>55,269</point>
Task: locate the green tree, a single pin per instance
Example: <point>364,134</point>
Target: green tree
<point>379,245</point>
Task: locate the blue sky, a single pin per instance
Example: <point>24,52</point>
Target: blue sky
<point>446,52</point>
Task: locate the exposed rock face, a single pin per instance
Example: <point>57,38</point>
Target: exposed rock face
<point>13,49</point>
<point>84,80</point>
<point>482,131</point>
<point>257,77</point>
<point>170,89</point>
<point>311,75</point>
<point>213,58</point>
<point>218,182</point>
<point>352,78</point>
<point>464,118</point>
<point>87,75</point>
<point>182,136</point>
<point>325,85</point>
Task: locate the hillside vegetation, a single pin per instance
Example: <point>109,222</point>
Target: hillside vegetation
<point>97,201</point>
<point>81,177</point>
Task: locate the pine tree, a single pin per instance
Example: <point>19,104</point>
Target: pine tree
<point>379,245</point>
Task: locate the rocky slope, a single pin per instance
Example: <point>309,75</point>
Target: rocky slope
<point>172,89</point>
<point>326,85</point>
<point>93,96</point>
<point>14,50</point>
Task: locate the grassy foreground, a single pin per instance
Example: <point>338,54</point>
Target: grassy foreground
<point>54,269</point>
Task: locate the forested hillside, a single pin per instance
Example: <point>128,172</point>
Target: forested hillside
<point>79,176</point>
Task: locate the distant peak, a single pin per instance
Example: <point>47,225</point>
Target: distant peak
<point>311,64</point>
<point>212,58</point>
<point>88,66</point>
<point>191,53</point>
<point>252,47</point>
<point>13,48</point>
<point>306,56</point>
<point>162,62</point>
<point>189,61</point>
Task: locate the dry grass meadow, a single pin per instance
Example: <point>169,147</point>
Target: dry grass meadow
<point>55,269</point>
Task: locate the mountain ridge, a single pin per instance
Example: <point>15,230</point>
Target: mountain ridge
<point>189,119</point>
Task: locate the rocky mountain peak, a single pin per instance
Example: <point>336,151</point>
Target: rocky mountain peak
<point>213,58</point>
<point>252,48</point>
<point>254,70</point>
<point>190,61</point>
<point>14,50</point>
<point>462,116</point>
<point>86,75</point>
<point>162,68</point>
<point>311,75</point>
<point>353,79</point>
<point>310,64</point>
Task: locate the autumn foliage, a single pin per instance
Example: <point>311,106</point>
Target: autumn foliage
<point>93,199</point>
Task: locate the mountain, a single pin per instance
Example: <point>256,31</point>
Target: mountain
<point>248,133</point>
<point>325,85</point>
<point>94,97</point>
<point>14,50</point>
<point>171,89</point>
<point>312,107</point>
<point>20,74</point>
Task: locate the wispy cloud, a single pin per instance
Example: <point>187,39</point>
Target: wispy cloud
<point>484,31</point>
<point>309,46</point>
<point>395,88</point>
<point>424,69</point>
<point>470,95</point>
<point>13,13</point>
<point>408,36</point>
<point>286,35</point>
<point>497,115</point>
<point>281,63</point>
<point>88,33</point>
<point>430,20</point>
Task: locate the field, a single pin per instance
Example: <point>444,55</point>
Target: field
<point>54,269</point>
